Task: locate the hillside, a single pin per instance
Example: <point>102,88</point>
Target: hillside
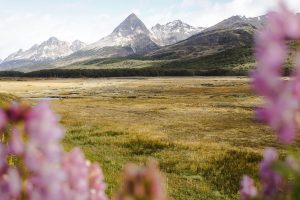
<point>206,43</point>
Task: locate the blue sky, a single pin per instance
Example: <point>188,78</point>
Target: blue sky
<point>27,22</point>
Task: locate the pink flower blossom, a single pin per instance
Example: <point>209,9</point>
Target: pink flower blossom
<point>10,185</point>
<point>3,156</point>
<point>76,169</point>
<point>47,172</point>
<point>17,112</point>
<point>15,145</point>
<point>42,124</point>
<point>142,183</point>
<point>270,179</point>
<point>282,97</point>
<point>3,120</point>
<point>96,181</point>
<point>248,189</point>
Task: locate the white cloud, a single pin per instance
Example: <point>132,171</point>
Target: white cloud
<point>22,29</point>
<point>207,13</point>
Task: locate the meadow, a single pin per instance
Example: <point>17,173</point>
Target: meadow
<point>201,130</point>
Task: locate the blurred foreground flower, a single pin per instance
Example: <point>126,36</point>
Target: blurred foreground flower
<point>282,106</point>
<point>248,189</point>
<point>142,183</point>
<point>278,179</point>
<point>271,181</point>
<point>33,164</point>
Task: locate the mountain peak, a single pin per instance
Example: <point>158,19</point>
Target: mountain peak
<point>48,50</point>
<point>173,32</point>
<point>77,45</point>
<point>238,21</point>
<point>52,39</point>
<point>132,15</point>
<point>176,22</point>
<point>132,24</point>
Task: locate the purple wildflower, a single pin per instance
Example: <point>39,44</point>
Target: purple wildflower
<point>248,189</point>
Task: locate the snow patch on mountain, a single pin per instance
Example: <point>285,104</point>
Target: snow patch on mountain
<point>173,32</point>
<point>77,45</point>
<point>131,33</point>
<point>49,50</point>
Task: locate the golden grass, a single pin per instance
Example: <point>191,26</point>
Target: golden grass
<point>201,130</point>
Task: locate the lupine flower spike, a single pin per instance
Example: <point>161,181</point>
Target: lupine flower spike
<point>282,97</point>
<point>43,170</point>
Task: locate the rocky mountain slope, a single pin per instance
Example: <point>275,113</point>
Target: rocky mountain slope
<point>130,33</point>
<point>131,37</point>
<point>173,32</point>
<point>233,32</point>
<point>46,52</point>
<point>239,21</point>
<point>77,45</point>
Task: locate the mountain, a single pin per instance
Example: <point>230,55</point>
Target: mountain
<point>175,44</point>
<point>44,53</point>
<point>173,32</point>
<point>239,21</point>
<point>131,37</point>
<point>223,51</point>
<point>233,32</point>
<point>131,33</point>
<point>77,45</point>
<point>1,61</point>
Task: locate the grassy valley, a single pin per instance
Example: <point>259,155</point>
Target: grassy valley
<point>201,130</point>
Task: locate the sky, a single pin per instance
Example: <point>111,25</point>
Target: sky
<point>27,22</point>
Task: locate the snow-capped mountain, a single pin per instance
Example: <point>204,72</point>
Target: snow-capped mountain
<point>77,45</point>
<point>236,31</point>
<point>49,50</point>
<point>0,61</point>
<point>173,32</point>
<point>131,33</point>
<point>132,38</point>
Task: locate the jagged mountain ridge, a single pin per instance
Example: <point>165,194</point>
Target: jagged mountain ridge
<point>173,32</point>
<point>41,54</point>
<point>132,32</point>
<point>232,32</point>
<point>131,37</point>
<point>208,42</point>
<point>77,45</point>
<point>239,21</point>
<point>46,51</point>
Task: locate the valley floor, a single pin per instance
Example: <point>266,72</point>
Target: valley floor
<point>201,130</point>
